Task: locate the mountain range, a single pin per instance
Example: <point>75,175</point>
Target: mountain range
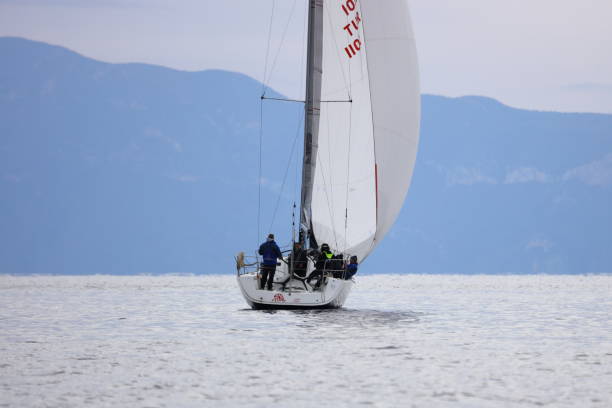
<point>135,169</point>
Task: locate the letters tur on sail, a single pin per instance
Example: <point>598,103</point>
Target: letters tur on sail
<point>368,127</point>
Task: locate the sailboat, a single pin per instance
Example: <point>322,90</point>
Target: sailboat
<point>361,133</point>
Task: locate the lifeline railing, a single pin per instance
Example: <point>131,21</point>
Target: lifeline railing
<point>246,264</point>
<point>250,264</point>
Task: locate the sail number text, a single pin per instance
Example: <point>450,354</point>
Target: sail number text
<point>349,8</point>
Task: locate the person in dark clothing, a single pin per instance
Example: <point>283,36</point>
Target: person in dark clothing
<point>298,260</point>
<point>270,253</point>
<point>337,266</point>
<point>351,268</point>
<point>321,259</point>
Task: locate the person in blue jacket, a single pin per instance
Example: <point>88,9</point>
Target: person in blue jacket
<point>351,268</point>
<point>270,253</point>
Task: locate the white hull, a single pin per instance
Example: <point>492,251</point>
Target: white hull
<point>296,295</point>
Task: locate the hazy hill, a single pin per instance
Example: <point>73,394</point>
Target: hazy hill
<point>132,168</point>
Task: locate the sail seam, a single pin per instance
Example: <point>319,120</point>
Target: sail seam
<point>366,40</point>
<point>348,159</point>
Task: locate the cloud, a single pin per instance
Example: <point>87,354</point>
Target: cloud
<point>48,88</point>
<point>462,175</point>
<point>467,176</point>
<point>540,243</point>
<point>277,188</point>
<point>526,175</point>
<point>596,173</point>
<point>158,134</point>
<point>271,185</point>
<point>185,178</point>
<point>125,105</point>
<point>12,178</point>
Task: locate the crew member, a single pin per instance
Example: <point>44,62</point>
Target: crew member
<point>322,257</point>
<point>351,268</point>
<point>298,260</point>
<point>270,253</point>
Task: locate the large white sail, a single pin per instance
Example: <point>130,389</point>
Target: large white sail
<point>369,122</point>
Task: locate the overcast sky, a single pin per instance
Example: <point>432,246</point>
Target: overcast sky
<point>536,54</point>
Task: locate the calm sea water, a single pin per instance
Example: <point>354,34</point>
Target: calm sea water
<point>409,341</point>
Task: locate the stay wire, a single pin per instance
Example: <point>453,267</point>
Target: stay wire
<point>263,81</point>
<point>260,171</point>
<point>282,189</point>
<point>263,92</point>
<point>280,46</point>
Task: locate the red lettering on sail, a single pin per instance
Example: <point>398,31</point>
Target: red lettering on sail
<point>352,28</point>
<point>348,28</point>
<point>348,52</point>
<point>349,5</point>
<point>352,49</point>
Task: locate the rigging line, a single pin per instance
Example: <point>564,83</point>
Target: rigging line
<point>304,51</point>
<point>329,163</point>
<point>263,82</point>
<point>348,172</point>
<point>297,177</point>
<point>331,214</point>
<point>263,92</point>
<point>297,132</point>
<point>350,74</point>
<point>296,181</point>
<point>348,154</point>
<point>367,69</point>
<point>265,98</point>
<point>260,172</point>
<point>280,46</point>
<point>363,54</point>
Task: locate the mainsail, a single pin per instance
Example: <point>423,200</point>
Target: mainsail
<point>362,124</point>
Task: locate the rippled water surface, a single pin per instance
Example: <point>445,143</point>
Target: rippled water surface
<point>422,341</point>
